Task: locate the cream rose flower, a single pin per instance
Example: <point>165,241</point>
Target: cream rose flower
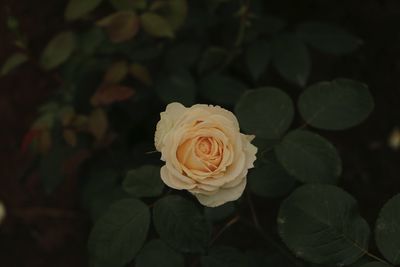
<point>204,152</point>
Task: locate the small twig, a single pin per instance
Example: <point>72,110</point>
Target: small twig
<point>224,228</point>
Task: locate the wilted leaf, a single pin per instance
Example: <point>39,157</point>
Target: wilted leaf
<point>141,73</point>
<point>58,50</point>
<point>14,61</point>
<point>180,224</point>
<point>116,72</point>
<point>98,123</point>
<point>309,157</point>
<point>156,26</point>
<point>266,112</point>
<point>328,38</point>
<point>387,231</point>
<point>321,224</point>
<point>175,11</point>
<point>120,26</point>
<point>336,105</point>
<point>144,181</point>
<point>79,8</point>
<point>128,4</point>
<point>109,94</point>
<point>291,58</point>
<point>120,233</point>
<point>157,254</point>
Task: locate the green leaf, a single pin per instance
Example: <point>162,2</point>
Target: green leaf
<point>156,26</point>
<point>174,11</point>
<point>13,62</point>
<point>91,40</point>
<point>144,181</point>
<point>258,56</point>
<point>376,264</point>
<point>119,234</point>
<point>223,257</point>
<point>219,213</point>
<point>58,50</point>
<point>336,105</point>
<point>180,224</point>
<point>328,38</point>
<point>157,254</point>
<point>309,157</point>
<point>120,26</point>
<point>128,4</point>
<point>266,112</point>
<point>291,58</point>
<point>387,231</point>
<point>270,180</point>
<point>179,86</point>
<point>79,8</point>
<point>212,58</point>
<point>321,224</point>
<point>222,89</point>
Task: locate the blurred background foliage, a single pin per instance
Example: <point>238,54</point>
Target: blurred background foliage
<point>102,70</point>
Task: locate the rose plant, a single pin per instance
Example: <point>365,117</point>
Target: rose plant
<point>152,96</point>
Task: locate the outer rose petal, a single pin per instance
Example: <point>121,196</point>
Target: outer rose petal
<point>222,196</point>
<point>169,117</point>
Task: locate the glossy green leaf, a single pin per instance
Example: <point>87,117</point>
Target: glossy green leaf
<point>144,181</point>
<point>336,105</point>
<point>178,86</point>
<point>291,58</point>
<point>328,38</point>
<point>79,8</point>
<point>13,62</point>
<point>180,224</point>
<point>270,180</point>
<point>321,224</point>
<point>157,254</point>
<point>224,257</point>
<point>309,157</point>
<point>222,89</point>
<point>387,230</point>
<point>258,56</point>
<point>266,112</point>
<point>156,26</point>
<point>120,233</point>
<point>58,50</point>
